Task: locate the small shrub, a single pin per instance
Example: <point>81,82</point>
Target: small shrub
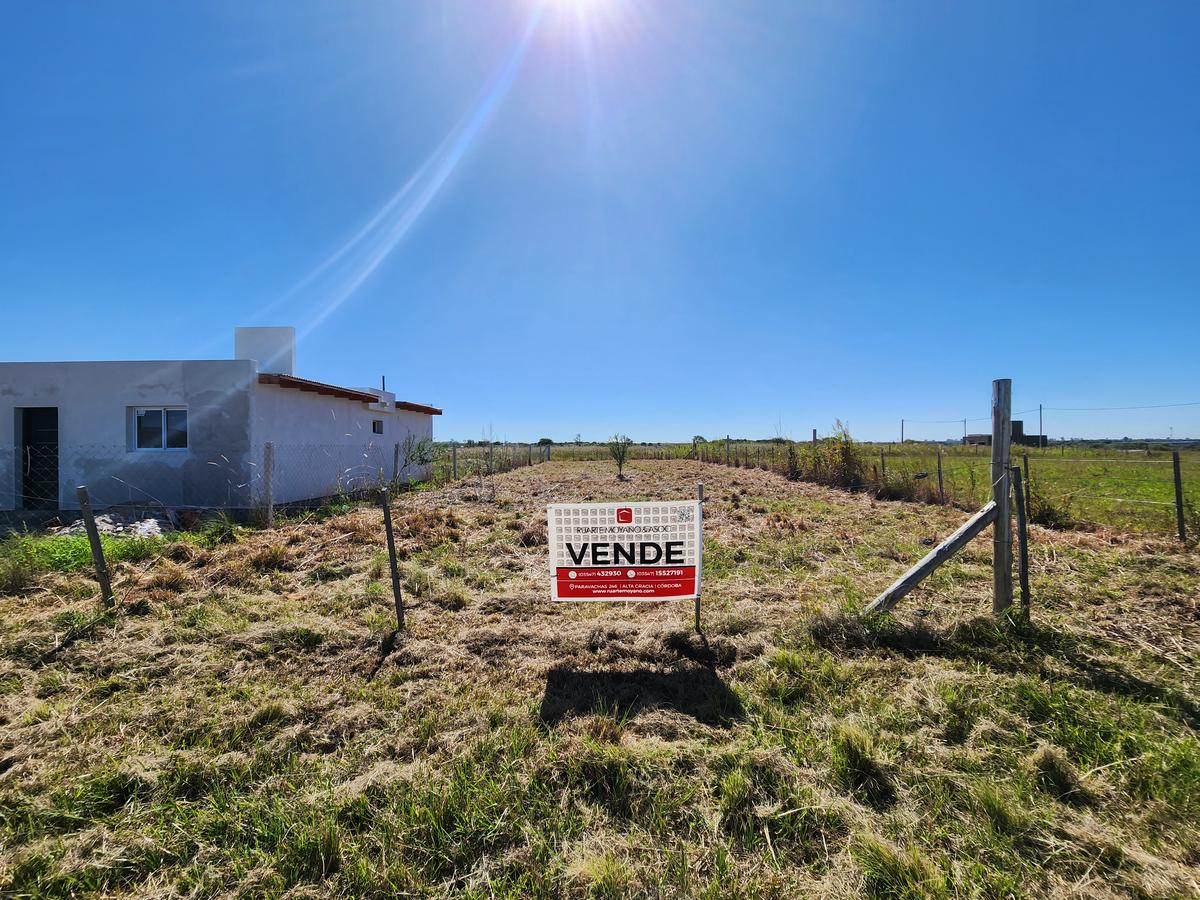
<point>1044,510</point>
<point>618,449</point>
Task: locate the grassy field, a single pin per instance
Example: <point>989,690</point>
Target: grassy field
<point>1072,486</point>
<point>245,723</point>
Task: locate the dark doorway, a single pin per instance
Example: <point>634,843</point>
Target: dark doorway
<point>39,457</point>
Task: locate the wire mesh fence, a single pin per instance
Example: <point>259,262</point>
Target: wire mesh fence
<point>1128,489</point>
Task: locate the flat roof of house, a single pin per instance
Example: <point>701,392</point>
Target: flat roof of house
<point>333,390</point>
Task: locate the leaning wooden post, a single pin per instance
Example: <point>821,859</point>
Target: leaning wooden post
<point>941,484</point>
<point>1178,496</point>
<point>89,524</point>
<point>268,492</point>
<point>1002,531</point>
<point>934,558</point>
<point>454,462</point>
<point>396,463</point>
<point>700,513</point>
<point>391,546</point>
<point>1022,541</point>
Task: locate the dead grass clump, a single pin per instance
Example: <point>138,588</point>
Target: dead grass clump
<point>533,536</point>
<point>171,577</point>
<point>429,527</point>
<point>452,599</point>
<point>604,729</point>
<point>272,558</point>
<point>856,767</point>
<point>1057,775</point>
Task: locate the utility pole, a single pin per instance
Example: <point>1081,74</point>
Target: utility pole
<point>1041,429</point>
<point>901,431</point>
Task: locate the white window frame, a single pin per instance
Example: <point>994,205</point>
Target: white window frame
<point>133,413</point>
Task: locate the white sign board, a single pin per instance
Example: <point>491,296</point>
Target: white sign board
<point>625,551</point>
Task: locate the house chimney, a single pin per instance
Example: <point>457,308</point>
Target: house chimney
<point>274,349</point>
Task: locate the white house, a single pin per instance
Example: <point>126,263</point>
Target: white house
<point>195,433</point>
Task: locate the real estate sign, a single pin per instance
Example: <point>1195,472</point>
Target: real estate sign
<point>625,551</point>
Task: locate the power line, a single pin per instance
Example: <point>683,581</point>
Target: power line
<point>1115,408</point>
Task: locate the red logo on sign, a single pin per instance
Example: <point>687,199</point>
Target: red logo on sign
<point>624,516</point>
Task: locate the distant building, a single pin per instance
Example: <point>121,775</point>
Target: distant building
<point>1018,437</point>
<point>180,433</point>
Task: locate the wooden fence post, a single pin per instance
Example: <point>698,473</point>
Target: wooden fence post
<point>454,462</point>
<point>268,473</point>
<point>396,463</point>
<point>700,512</point>
<point>1002,530</point>
<point>726,449</point>
<point>941,484</point>
<point>397,596</point>
<point>89,524</point>
<point>882,468</point>
<point>490,446</point>
<point>1022,541</point>
<point>1178,496</point>
<point>1028,483</point>
<point>814,437</point>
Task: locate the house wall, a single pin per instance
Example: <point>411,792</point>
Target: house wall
<point>324,444</point>
<point>93,399</point>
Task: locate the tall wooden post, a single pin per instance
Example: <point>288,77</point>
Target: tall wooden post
<point>901,431</point>
<point>726,449</point>
<point>89,524</point>
<point>1022,541</point>
<point>1002,531</point>
<point>396,463</point>
<point>699,512</point>
<point>882,468</point>
<point>814,437</point>
<point>397,597</point>
<point>454,461</point>
<point>490,446</point>
<point>1028,482</point>
<point>1178,496</point>
<point>941,484</point>
<point>268,476</point>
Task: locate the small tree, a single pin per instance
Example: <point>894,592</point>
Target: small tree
<point>618,449</point>
<point>793,463</point>
<point>545,442</point>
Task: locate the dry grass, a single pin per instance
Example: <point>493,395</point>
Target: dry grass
<point>249,722</point>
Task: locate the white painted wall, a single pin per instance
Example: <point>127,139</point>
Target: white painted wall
<point>325,444</point>
<point>93,400</point>
<point>322,443</point>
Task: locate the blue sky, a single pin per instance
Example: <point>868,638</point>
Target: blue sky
<point>583,216</point>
